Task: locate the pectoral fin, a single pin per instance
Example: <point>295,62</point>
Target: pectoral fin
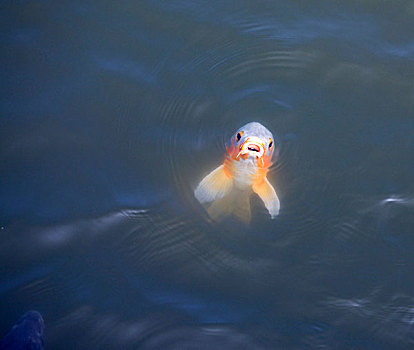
<point>268,195</point>
<point>214,186</point>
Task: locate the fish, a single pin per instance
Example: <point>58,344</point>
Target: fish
<point>26,334</point>
<point>227,189</point>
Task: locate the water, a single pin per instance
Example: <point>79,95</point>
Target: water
<point>112,112</point>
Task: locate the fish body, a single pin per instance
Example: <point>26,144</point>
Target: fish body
<point>248,157</point>
<point>27,334</point>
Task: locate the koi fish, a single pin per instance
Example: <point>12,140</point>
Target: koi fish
<point>228,188</point>
<point>26,334</point>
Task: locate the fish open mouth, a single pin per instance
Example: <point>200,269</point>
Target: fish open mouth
<point>253,147</point>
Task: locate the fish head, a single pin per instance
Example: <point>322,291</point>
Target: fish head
<point>252,141</point>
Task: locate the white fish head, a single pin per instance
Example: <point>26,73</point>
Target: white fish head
<point>252,140</point>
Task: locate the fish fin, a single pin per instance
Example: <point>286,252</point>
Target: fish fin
<point>236,203</point>
<point>268,195</point>
<point>214,186</point>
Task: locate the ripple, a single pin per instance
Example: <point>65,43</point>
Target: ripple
<point>389,320</point>
<point>185,249</point>
<point>87,327</point>
<point>263,61</point>
<point>281,59</point>
<point>248,76</point>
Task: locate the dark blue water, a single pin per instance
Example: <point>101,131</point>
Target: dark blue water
<point>113,111</point>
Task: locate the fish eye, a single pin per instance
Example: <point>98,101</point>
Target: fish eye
<point>239,135</point>
<point>270,143</point>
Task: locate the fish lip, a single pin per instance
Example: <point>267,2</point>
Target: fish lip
<point>252,148</point>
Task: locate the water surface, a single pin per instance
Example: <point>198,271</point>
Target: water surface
<point>112,112</point>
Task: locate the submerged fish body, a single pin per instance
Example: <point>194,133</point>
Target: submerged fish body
<point>27,334</point>
<point>228,188</point>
